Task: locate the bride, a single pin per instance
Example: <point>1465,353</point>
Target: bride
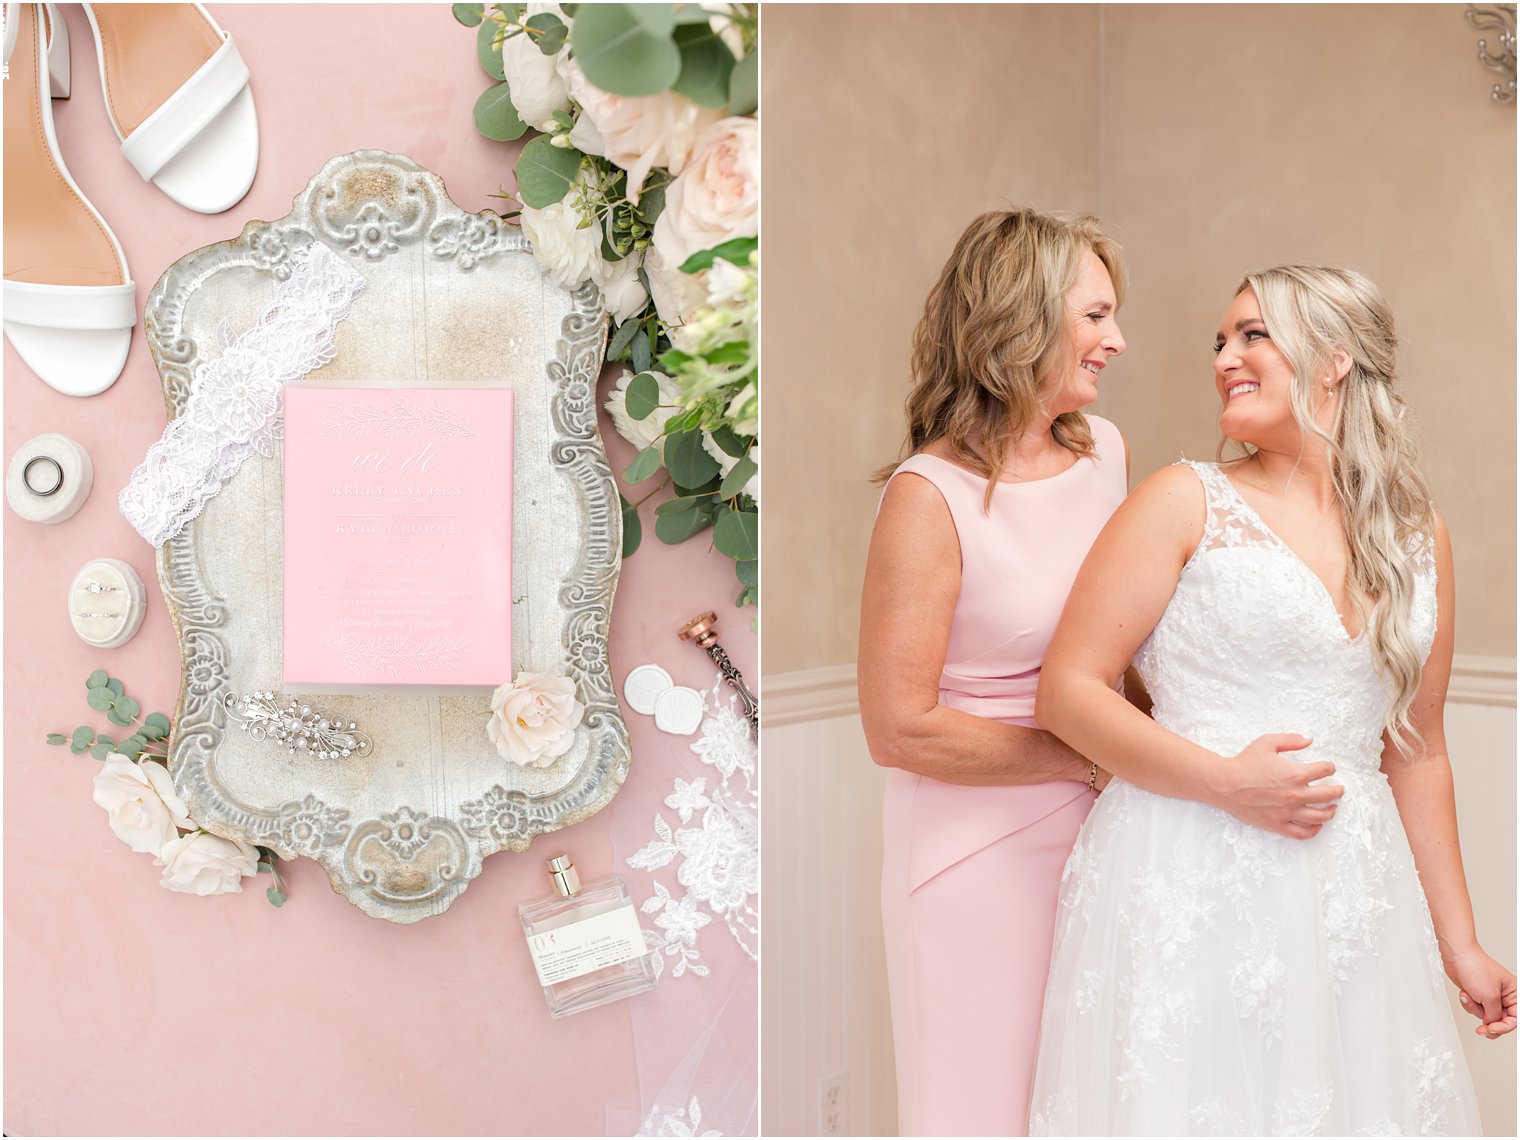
<point>1213,977</point>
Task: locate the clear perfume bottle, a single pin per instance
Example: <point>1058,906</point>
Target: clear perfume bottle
<point>586,942</point>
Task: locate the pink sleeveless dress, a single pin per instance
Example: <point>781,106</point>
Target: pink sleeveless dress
<point>971,875</point>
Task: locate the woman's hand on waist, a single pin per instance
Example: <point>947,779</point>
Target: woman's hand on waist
<point>1261,787</point>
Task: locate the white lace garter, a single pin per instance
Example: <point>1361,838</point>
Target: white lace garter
<point>236,401</point>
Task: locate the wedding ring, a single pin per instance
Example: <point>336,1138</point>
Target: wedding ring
<point>51,479</point>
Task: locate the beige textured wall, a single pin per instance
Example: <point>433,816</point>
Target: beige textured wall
<point>1212,139</point>
<point>887,128</point>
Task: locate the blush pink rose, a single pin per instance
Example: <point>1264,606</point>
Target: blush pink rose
<point>533,718</point>
<point>717,197</point>
<point>636,132</point>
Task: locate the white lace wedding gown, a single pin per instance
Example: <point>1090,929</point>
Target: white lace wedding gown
<point>1213,978</point>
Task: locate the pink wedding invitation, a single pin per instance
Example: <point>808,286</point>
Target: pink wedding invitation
<point>398,538</point>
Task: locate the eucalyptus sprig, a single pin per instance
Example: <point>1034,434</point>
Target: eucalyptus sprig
<point>106,694</point>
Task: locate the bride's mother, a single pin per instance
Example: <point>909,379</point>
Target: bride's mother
<point>978,539</point>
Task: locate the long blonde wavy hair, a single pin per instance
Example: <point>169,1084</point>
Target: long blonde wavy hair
<point>1311,311</point>
<point>995,326</point>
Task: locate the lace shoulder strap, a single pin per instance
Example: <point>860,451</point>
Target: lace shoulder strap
<point>1228,519</point>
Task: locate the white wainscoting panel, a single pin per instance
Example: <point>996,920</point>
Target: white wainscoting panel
<point>823,1007</point>
<point>824,998</point>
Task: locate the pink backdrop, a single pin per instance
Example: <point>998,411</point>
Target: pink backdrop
<point>133,1010</point>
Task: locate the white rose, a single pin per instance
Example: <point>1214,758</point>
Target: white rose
<point>144,809</point>
<point>533,718</point>
<point>567,248</point>
<point>643,433</point>
<point>533,80</point>
<point>638,132</point>
<point>726,464</point>
<point>727,284</point>
<point>620,284</point>
<point>717,197</point>
<point>203,864</point>
<point>676,295</point>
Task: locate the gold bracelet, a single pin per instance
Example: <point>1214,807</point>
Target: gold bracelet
<point>1092,778</point>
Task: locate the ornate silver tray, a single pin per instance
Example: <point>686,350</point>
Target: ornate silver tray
<point>450,297</point>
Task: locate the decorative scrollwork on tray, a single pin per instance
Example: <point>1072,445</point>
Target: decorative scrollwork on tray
<point>473,238</point>
<point>408,862</point>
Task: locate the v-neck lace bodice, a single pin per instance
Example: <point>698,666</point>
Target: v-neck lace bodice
<point>1252,643</point>
<point>1212,978</point>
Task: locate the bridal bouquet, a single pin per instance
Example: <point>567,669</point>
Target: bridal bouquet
<point>644,178</point>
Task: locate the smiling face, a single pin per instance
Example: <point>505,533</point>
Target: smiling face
<point>1094,337</point>
<point>1253,378</point>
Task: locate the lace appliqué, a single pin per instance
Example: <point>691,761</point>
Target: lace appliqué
<point>716,847</point>
<point>682,1122</point>
<point>236,400</point>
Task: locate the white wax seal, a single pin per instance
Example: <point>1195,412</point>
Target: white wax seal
<point>678,710</point>
<point>49,478</point>
<point>642,686</point>
<point>107,602</point>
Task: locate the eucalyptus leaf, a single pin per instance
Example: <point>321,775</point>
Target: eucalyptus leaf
<point>495,117</point>
<point>116,687</point>
<point>730,441</point>
<point>100,699</point>
<point>677,528</point>
<point>706,64</point>
<point>551,32</point>
<point>489,56</point>
<point>469,15</point>
<point>735,250</point>
<point>738,475</point>
<point>116,718</point>
<point>644,464</point>
<point>130,747</point>
<point>97,680</point>
<point>737,534</point>
<point>104,739</point>
<point>683,503</point>
<point>128,705</point>
<point>82,737</point>
<point>156,726</point>
<point>652,200</point>
<point>100,750</point>
<point>643,357</point>
<point>622,339</point>
<point>684,420</point>
<point>276,896</point>
<point>78,749</point>
<point>633,529</point>
<point>748,571</point>
<point>564,119</point>
<point>686,459</point>
<point>706,488</point>
<point>627,49</point>
<point>57,738</point>
<point>546,172</point>
<point>569,9</point>
<point>744,85</point>
<point>643,395</point>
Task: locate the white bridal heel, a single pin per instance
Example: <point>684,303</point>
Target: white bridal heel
<point>69,302</point>
<point>178,97</point>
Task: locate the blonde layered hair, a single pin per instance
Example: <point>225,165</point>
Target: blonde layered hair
<point>1311,312</point>
<point>995,326</point>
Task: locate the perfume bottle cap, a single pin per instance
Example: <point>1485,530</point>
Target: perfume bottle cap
<point>562,874</point>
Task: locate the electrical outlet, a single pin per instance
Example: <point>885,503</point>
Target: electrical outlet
<point>834,1104</point>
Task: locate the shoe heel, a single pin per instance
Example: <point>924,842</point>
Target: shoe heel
<point>57,53</point>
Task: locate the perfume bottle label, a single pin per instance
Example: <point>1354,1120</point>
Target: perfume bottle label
<point>590,944</point>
